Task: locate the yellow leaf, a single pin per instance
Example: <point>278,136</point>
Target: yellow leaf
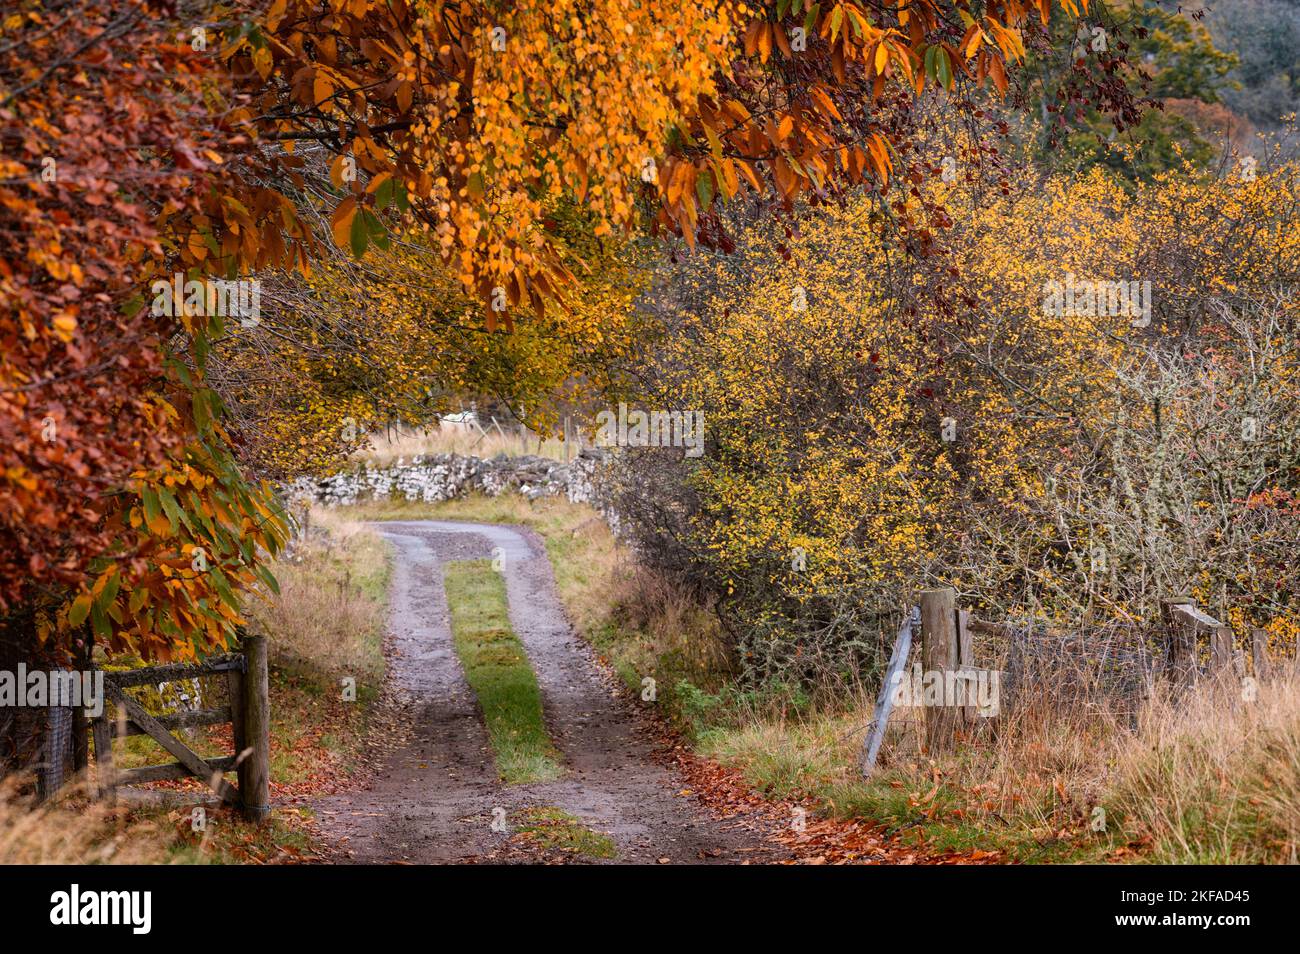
<point>262,62</point>
<point>65,325</point>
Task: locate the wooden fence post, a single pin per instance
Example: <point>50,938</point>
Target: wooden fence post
<point>235,694</point>
<point>1259,653</point>
<point>939,654</point>
<point>255,769</point>
<point>966,665</point>
<point>1180,653</point>
<point>1221,650</point>
<point>56,734</point>
<point>80,742</point>
<point>102,730</point>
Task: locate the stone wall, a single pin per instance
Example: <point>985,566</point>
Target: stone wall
<point>435,477</point>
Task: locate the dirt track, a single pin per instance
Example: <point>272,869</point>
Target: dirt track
<point>433,797</point>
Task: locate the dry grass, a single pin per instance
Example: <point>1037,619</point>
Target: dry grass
<point>1027,789</point>
<point>671,625</point>
<point>1216,778</point>
<point>387,447</point>
<point>328,616</point>
<point>1213,779</point>
<point>69,832</point>
<point>326,636</point>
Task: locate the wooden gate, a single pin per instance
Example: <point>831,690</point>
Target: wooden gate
<point>248,712</point>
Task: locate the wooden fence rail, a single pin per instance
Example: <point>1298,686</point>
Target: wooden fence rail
<point>248,713</point>
<point>1189,636</point>
<point>893,672</point>
<point>1189,628</point>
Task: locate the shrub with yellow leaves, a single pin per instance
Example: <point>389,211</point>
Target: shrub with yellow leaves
<point>999,417</point>
<point>398,338</point>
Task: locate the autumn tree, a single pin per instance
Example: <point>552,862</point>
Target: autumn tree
<point>465,122</point>
<point>394,337</point>
<point>1155,68</point>
<point>116,484</point>
<point>1071,462</point>
<point>478,114</point>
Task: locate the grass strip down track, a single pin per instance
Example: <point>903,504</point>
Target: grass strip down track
<point>497,669</point>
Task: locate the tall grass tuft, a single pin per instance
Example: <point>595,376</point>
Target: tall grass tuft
<point>1216,778</point>
<point>56,833</point>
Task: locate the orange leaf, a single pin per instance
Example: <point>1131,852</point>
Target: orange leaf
<point>765,42</point>
<point>341,222</point>
<point>784,129</point>
<point>322,87</point>
<point>824,103</point>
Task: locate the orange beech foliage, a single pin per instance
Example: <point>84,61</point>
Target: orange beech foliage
<point>111,475</point>
<point>84,135</point>
<point>142,138</point>
<point>478,112</point>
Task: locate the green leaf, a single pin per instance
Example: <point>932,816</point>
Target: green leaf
<point>264,574</point>
<point>943,68</point>
<point>175,515</point>
<point>219,582</point>
<point>704,189</point>
<point>386,194</point>
<point>358,237</point>
<point>79,610</point>
<point>109,595</point>
<point>202,413</point>
<point>378,233</point>
<point>152,510</point>
<point>132,306</point>
<point>810,18</point>
<point>196,509</point>
<point>99,622</point>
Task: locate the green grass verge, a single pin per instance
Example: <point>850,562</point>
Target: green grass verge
<point>557,830</point>
<point>497,669</point>
<point>814,759</point>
